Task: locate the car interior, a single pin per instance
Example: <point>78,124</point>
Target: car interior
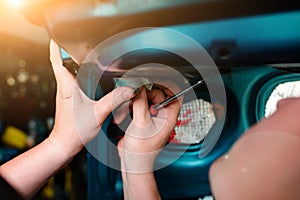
<point>254,45</point>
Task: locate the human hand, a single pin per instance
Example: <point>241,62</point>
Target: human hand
<point>267,154</point>
<point>146,135</point>
<point>78,119</point>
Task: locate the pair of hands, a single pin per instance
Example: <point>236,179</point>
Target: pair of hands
<point>78,119</point>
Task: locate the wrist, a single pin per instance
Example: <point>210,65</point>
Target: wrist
<point>136,184</point>
<point>66,146</point>
<point>137,163</point>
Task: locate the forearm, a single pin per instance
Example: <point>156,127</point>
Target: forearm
<point>140,186</point>
<point>30,170</point>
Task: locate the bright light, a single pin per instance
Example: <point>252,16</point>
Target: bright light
<point>15,3</point>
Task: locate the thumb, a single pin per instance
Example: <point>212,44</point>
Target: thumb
<point>65,80</point>
<point>141,115</point>
<point>111,101</point>
<point>60,72</point>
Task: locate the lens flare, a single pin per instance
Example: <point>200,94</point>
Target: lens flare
<point>15,3</point>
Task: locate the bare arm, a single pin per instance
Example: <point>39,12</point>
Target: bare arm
<point>142,185</point>
<point>144,139</point>
<point>27,172</point>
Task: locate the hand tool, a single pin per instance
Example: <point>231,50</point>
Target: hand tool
<point>156,107</point>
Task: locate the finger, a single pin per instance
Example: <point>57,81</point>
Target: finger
<point>111,101</point>
<point>60,72</point>
<point>169,89</point>
<point>156,96</point>
<point>122,112</point>
<point>141,115</point>
<point>173,89</point>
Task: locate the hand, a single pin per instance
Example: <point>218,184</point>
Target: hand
<point>78,119</point>
<point>266,154</point>
<point>146,135</point>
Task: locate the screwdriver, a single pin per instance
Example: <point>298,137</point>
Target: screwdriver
<point>156,107</point>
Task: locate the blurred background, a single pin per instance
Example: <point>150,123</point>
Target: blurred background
<point>27,96</point>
